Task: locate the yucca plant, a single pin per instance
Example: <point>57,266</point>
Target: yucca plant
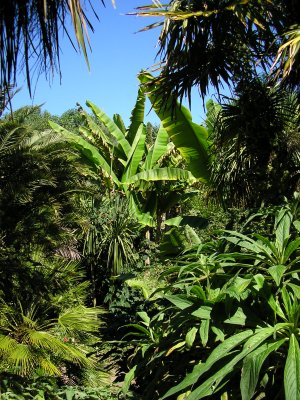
<point>110,237</point>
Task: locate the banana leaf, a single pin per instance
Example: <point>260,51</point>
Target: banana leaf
<point>87,150</point>
<point>136,153</point>
<point>157,150</point>
<point>189,138</point>
<point>112,128</point>
<point>162,174</point>
<point>118,120</point>
<point>137,116</point>
<point>143,218</point>
<point>191,220</point>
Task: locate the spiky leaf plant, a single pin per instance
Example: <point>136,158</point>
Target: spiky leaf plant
<point>256,146</point>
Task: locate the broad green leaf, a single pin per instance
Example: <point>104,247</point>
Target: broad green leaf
<point>136,153</point>
<point>219,333</point>
<point>140,328</point>
<point>137,116</point>
<point>118,120</point>
<point>191,235</point>
<point>198,291</point>
<point>189,138</point>
<point>282,227</point>
<point>260,281</point>
<point>190,337</point>
<point>252,365</point>
<point>145,219</point>
<point>238,318</point>
<point>157,150</point>
<point>144,316</point>
<point>162,174</point>
<point>208,387</point>
<point>70,393</point>
<point>241,284</point>
<point>277,272</point>
<point>297,225</point>
<point>179,301</point>
<point>242,241</point>
<point>203,312</point>
<point>128,379</point>
<point>204,330</point>
<point>275,306</point>
<point>140,285</point>
<point>219,352</point>
<point>183,396</point>
<point>191,220</point>
<point>292,246</point>
<point>292,371</point>
<point>296,289</point>
<point>89,151</point>
<point>287,302</point>
<point>111,126</point>
<point>173,242</point>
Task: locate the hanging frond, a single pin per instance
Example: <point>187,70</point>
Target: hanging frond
<point>30,35</point>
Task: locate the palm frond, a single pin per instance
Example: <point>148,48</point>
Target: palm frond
<point>80,318</point>
<point>30,35</point>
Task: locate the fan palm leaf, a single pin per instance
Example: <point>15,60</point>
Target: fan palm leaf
<point>30,341</point>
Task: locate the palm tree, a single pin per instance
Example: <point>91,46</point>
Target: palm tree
<point>31,341</point>
<point>217,42</point>
<point>256,146</point>
<point>39,181</point>
<point>288,57</point>
<point>30,35</point>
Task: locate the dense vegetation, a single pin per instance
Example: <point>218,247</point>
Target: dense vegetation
<point>158,262</point>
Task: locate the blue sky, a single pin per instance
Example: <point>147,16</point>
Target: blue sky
<point>118,53</point>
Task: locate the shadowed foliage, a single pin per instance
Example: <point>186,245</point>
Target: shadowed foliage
<point>256,146</point>
<point>218,42</point>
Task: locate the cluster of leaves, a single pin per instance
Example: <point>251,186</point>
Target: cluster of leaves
<point>220,41</point>
<point>127,165</point>
<point>45,327</point>
<point>47,388</point>
<point>34,26</point>
<point>255,151</point>
<point>225,317</point>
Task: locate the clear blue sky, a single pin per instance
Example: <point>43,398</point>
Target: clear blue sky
<point>118,54</point>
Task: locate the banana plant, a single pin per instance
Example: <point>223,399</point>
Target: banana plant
<point>123,158</point>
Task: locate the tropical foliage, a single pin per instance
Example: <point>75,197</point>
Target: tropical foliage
<point>222,42</point>
<point>255,146</point>
<point>31,29</point>
<point>125,162</point>
<point>225,316</point>
<point>154,262</point>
